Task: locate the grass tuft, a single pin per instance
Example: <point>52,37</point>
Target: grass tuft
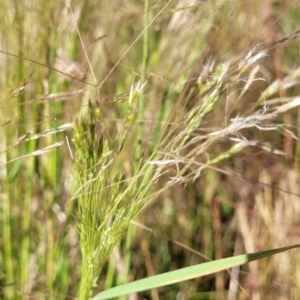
<point>180,117</point>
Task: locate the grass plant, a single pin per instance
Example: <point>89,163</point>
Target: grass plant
<point>149,138</point>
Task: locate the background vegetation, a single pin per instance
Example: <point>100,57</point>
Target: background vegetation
<point>236,187</point>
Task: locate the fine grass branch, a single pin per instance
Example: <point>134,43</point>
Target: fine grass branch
<point>107,204</point>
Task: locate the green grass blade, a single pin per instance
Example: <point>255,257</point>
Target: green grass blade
<point>187,273</point>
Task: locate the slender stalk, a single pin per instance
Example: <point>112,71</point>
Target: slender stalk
<point>145,59</point>
<point>26,196</point>
<point>7,241</point>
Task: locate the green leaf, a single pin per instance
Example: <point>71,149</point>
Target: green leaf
<point>186,273</point>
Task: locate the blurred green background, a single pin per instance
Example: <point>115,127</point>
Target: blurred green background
<point>249,202</point>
